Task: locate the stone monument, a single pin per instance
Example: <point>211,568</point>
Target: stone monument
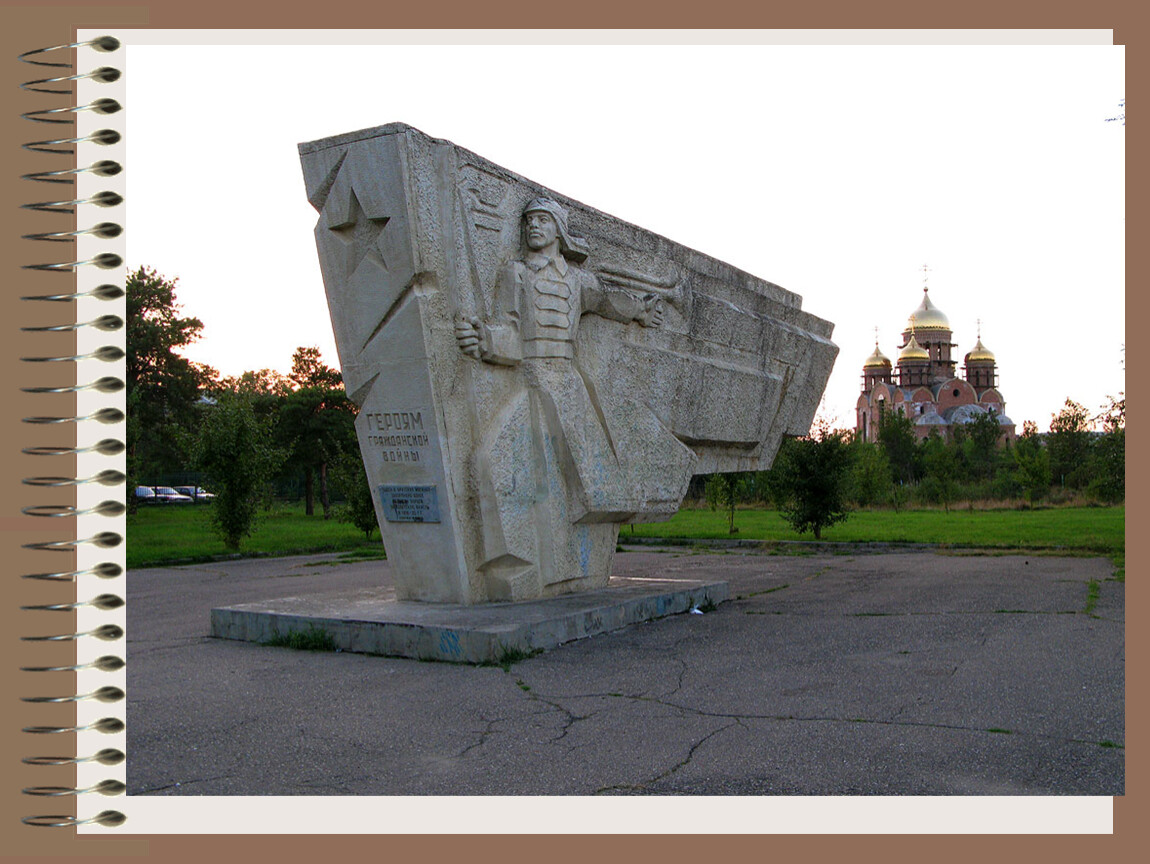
<point>531,373</point>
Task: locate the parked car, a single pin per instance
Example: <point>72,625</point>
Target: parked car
<point>197,493</point>
<point>168,495</point>
<point>145,495</point>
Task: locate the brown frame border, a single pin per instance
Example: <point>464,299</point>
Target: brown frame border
<point>51,22</point>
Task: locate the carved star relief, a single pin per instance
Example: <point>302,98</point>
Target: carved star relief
<point>360,234</point>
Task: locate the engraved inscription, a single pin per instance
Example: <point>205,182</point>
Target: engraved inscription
<point>395,420</point>
<point>410,503</point>
<point>400,433</point>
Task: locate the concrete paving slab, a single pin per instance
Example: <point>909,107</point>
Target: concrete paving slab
<point>372,621</point>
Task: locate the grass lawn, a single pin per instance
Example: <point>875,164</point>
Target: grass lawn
<point>158,535</point>
<point>181,532</point>
<point>1093,529</point>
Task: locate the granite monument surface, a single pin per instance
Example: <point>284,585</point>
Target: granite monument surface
<point>532,373</point>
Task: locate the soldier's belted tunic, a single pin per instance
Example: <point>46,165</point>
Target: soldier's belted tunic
<point>538,304</point>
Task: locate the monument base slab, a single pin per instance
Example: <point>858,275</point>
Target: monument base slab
<point>371,621</point>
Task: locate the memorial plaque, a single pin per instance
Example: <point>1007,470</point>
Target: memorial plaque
<point>409,503</point>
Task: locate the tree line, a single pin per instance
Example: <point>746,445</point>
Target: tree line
<point>241,433</point>
<point>244,433</point>
<point>817,479</point>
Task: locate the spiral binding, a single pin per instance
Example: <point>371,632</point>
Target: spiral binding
<point>67,146</point>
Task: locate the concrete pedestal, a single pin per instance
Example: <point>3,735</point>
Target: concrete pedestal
<point>371,621</point>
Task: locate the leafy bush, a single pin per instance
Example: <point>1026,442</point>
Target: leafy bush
<point>359,504</point>
<point>810,478</point>
<point>927,491</point>
<point>1007,484</point>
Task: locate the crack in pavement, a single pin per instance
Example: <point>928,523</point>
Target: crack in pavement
<point>177,784</point>
<point>691,753</point>
<point>1106,619</point>
<point>675,658</point>
<point>891,722</point>
<point>571,718</point>
<point>487,732</point>
<point>738,718</point>
<point>682,763</point>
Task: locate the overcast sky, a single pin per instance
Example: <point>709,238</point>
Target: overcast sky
<point>834,171</point>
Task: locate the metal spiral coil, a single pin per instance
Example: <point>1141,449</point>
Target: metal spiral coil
<point>105,632</point>
<point>103,540</point>
<point>100,571</point>
<point>104,508</point>
<point>64,145</point>
<point>60,145</point>
<point>106,384</point>
<point>107,756</point>
<point>111,818</point>
<point>102,694</point>
<point>104,415</point>
<point>106,447</point>
<point>100,292</point>
<point>107,663</point>
<point>105,725</point>
<point>103,601</point>
<point>104,478</point>
<point>106,323</point>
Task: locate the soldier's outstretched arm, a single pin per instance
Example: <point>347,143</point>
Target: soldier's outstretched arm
<point>618,304</point>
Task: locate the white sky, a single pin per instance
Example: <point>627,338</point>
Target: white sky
<point>834,171</point>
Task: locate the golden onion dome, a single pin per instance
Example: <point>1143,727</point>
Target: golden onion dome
<point>928,316</point>
<point>912,351</point>
<point>877,360</point>
<point>980,352</point>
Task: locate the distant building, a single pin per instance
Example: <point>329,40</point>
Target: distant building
<point>925,386</point>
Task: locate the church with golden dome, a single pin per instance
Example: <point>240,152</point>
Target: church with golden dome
<point>925,386</point>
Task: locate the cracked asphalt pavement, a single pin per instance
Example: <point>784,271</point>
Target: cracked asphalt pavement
<point>905,673</point>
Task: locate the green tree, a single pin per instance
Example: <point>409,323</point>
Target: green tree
<point>316,422</point>
<point>981,445</point>
<point>810,479</point>
<point>941,465</point>
<point>870,474</point>
<point>1113,416</point>
<point>1108,460</point>
<point>897,440</point>
<point>1108,468</point>
<point>235,449</point>
<point>265,383</point>
<point>1032,465</point>
<point>162,386</point>
<point>726,491</point>
<point>1068,443</point>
